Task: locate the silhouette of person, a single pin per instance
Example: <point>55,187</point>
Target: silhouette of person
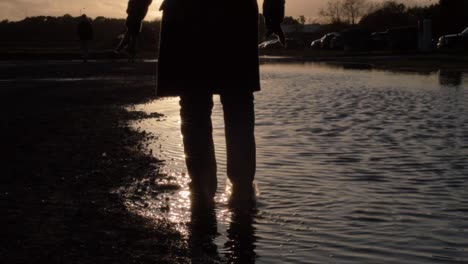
<point>136,12</point>
<point>211,47</point>
<point>85,34</point>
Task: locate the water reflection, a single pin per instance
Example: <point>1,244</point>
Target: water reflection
<point>202,232</point>
<point>240,246</point>
<point>356,166</point>
<point>450,78</point>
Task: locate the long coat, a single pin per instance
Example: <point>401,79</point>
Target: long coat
<point>208,46</point>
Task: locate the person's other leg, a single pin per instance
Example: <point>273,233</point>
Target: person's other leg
<point>135,29</point>
<point>197,135</point>
<point>239,119</point>
<point>132,47</point>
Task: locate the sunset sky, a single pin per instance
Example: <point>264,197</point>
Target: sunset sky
<point>19,9</point>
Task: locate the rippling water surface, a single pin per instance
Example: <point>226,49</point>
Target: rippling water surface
<point>354,166</point>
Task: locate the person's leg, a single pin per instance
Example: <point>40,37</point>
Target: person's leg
<point>197,135</point>
<point>239,119</point>
<point>132,47</point>
<point>135,30</point>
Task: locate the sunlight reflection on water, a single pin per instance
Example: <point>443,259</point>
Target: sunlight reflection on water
<point>354,166</point>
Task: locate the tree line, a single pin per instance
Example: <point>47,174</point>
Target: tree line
<point>62,31</point>
<point>55,32</point>
<point>448,16</point>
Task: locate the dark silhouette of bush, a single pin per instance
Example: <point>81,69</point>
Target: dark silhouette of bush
<point>453,15</point>
<point>60,32</point>
<point>391,14</point>
<point>448,16</point>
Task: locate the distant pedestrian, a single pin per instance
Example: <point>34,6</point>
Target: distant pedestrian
<point>86,34</point>
<point>136,11</point>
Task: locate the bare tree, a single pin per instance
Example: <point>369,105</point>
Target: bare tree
<point>313,20</point>
<point>332,12</point>
<point>350,11</point>
<point>302,20</point>
<point>354,9</point>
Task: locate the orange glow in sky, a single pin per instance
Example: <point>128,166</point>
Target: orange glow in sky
<point>19,9</point>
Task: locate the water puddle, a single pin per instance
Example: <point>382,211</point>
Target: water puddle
<point>354,166</point>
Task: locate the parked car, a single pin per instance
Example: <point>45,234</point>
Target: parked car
<point>455,41</point>
<point>400,38</point>
<point>403,38</point>
<point>337,42</point>
<point>316,44</point>
<point>270,44</point>
<point>291,43</point>
<point>356,39</point>
<point>380,40</point>
<point>326,40</point>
